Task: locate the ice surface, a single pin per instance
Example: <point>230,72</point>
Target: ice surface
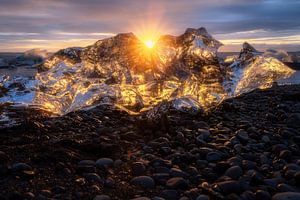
<point>182,72</point>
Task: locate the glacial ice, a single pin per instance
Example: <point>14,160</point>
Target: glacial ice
<point>182,71</point>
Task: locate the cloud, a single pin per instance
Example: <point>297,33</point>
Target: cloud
<point>58,19</point>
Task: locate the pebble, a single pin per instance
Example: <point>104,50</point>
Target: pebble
<point>58,190</point>
<point>103,163</point>
<point>169,194</point>
<point>262,195</point>
<point>202,197</point>
<point>3,170</point>
<point>178,173</point>
<point>204,134</point>
<point>29,195</point>
<point>282,187</point>
<point>177,183</point>
<point>234,172</point>
<point>143,181</point>
<point>3,157</point>
<point>102,197</point>
<point>228,187</point>
<point>242,135</point>
<point>17,167</point>
<point>92,177</point>
<point>87,162</point>
<point>161,178</point>
<point>213,156</point>
<point>286,196</point>
<point>297,177</point>
<point>285,154</point>
<point>87,166</point>
<point>293,120</point>
<point>138,168</point>
<point>265,139</point>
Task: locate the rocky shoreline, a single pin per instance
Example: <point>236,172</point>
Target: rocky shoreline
<point>246,148</point>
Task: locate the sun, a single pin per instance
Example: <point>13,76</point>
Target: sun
<point>150,44</point>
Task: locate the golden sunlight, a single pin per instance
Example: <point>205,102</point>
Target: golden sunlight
<point>149,43</point>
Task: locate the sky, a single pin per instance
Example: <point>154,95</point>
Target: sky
<point>56,24</point>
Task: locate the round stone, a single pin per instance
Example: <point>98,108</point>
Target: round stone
<point>177,183</point>
<point>143,181</point>
<point>104,163</point>
<point>286,196</point>
<point>169,194</point>
<point>138,168</point>
<point>262,195</point>
<point>242,135</point>
<point>17,167</point>
<point>234,172</point>
<point>93,177</point>
<point>202,197</point>
<point>102,197</point>
<point>213,156</point>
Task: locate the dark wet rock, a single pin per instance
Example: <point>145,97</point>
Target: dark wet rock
<point>265,139</point>
<point>161,178</point>
<point>202,197</point>
<point>141,198</point>
<point>18,167</point>
<point>286,196</point>
<point>256,178</point>
<point>249,195</point>
<point>291,166</point>
<point>242,135</point>
<point>86,162</point>
<point>235,161</point>
<point>118,163</point>
<point>138,168</point>
<point>169,194</point>
<point>177,183</point>
<point>3,170</point>
<point>262,195</point>
<point>178,173</point>
<point>58,190</point>
<point>282,187</point>
<point>297,177</point>
<point>221,167</point>
<point>29,195</point>
<point>57,150</point>
<point>247,164</point>
<point>27,174</point>
<point>278,148</point>
<point>143,181</point>
<point>87,166</point>
<point>228,187</point>
<point>102,197</point>
<point>15,195</point>
<point>272,182</point>
<point>3,157</point>
<point>293,120</point>
<point>104,163</point>
<point>234,172</point>
<point>93,177</point>
<point>213,156</point>
<point>158,198</point>
<point>285,154</point>
<point>204,135</point>
<point>46,193</point>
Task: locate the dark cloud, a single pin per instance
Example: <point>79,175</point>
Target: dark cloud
<point>47,17</point>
